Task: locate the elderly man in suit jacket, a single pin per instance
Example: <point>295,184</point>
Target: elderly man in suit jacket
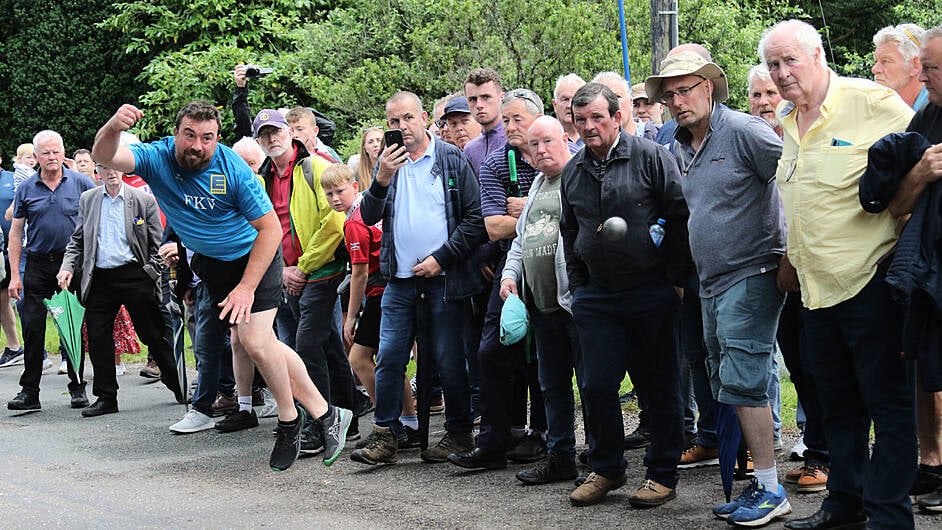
<point>114,249</point>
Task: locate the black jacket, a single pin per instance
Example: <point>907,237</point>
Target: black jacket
<point>639,182</point>
<point>462,210</point>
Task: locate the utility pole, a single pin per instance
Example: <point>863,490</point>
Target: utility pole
<point>663,30</point>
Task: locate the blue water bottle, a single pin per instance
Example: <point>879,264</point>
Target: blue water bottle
<point>657,232</point>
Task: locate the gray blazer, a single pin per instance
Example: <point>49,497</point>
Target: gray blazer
<point>142,225</point>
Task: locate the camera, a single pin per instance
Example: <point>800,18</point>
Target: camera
<point>254,71</point>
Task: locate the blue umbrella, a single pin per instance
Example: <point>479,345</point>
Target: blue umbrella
<point>728,434</point>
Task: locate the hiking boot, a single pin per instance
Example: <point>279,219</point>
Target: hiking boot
<point>698,456</point>
<point>638,439</point>
<point>555,468</point>
<point>335,428</point>
<point>11,357</point>
<point>651,494</point>
<point>792,476</point>
<point>530,448</point>
<point>237,421</point>
<point>479,459</point>
<point>224,405</point>
<point>193,421</point>
<point>312,439</point>
<point>452,442</point>
<point>24,401</point>
<point>287,443</point>
<point>760,506</point>
<point>380,448</point>
<point>594,489</point>
<point>150,370</point>
<point>814,478</point>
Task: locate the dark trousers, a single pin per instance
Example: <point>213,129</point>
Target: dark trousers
<point>39,283</point>
<point>503,377</point>
<point>695,381</point>
<point>317,340</point>
<point>213,353</point>
<point>860,376</point>
<point>131,287</point>
<point>633,331</point>
<point>559,355</point>
<point>796,352</point>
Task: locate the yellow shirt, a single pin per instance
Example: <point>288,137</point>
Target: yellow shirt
<point>833,243</point>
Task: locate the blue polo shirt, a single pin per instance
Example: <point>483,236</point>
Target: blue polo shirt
<point>50,215</point>
<point>6,199</point>
<point>210,209</point>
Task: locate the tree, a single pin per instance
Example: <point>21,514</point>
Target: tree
<point>57,71</point>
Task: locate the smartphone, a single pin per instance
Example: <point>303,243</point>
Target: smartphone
<point>393,137</point>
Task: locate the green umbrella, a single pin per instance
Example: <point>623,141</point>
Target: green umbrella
<point>68,313</point>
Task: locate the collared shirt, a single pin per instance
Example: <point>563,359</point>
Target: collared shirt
<point>486,143</point>
<point>280,200</point>
<point>113,248</point>
<point>50,214</point>
<point>736,226</point>
<point>420,225</point>
<point>832,242</point>
<point>921,100</point>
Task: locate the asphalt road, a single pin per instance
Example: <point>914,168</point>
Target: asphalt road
<point>127,470</point>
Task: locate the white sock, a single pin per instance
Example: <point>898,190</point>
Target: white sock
<point>245,403</point>
<point>411,422</point>
<point>768,478</point>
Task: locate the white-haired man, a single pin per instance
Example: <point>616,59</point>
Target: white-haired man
<point>566,87</point>
<point>896,62</point>
<point>838,253</point>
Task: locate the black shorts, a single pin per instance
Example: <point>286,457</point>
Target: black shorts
<point>367,334</point>
<point>221,277</point>
<point>5,282</point>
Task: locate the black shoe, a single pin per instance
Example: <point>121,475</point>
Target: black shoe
<point>364,405</point>
<point>287,444</point>
<point>353,433</point>
<point>237,421</point>
<point>555,468</point>
<point>79,399</point>
<point>638,439</point>
<point>584,457</point>
<point>312,439</point>
<point>931,502</point>
<point>822,520</point>
<point>335,427</point>
<point>24,401</point>
<point>100,407</point>
<point>258,400</point>
<point>529,449</point>
<point>928,479</point>
<point>478,459</point>
<point>408,439</point>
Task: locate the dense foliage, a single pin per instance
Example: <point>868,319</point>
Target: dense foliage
<point>71,67</point>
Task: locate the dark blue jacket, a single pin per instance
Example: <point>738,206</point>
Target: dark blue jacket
<point>463,212</point>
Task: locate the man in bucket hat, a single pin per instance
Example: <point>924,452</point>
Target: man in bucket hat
<point>737,237</point>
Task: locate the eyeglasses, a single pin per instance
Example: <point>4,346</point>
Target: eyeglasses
<point>522,93</point>
<point>667,97</point>
<point>792,167</point>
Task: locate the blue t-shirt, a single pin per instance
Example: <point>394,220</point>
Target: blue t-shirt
<point>50,215</point>
<point>6,199</point>
<point>210,209</point>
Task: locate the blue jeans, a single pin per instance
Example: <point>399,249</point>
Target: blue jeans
<point>558,354</point>
<point>775,398</point>
<point>739,330</point>
<point>213,354</point>
<point>633,331</point>
<point>860,377</point>
<point>415,310</point>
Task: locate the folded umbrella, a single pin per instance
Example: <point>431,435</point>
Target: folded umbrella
<point>68,314</point>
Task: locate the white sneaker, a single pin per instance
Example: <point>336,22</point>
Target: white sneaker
<point>63,368</point>
<point>270,408</point>
<point>119,369</point>
<point>47,364</point>
<point>193,421</point>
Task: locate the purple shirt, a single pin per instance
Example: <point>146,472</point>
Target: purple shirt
<point>488,142</point>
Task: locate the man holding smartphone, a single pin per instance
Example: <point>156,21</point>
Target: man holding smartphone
<point>427,196</point>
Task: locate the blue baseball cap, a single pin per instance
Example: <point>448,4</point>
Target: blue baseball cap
<point>513,321</point>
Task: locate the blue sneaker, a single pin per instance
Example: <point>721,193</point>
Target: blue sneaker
<point>11,357</point>
<point>760,506</point>
<point>726,509</point>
